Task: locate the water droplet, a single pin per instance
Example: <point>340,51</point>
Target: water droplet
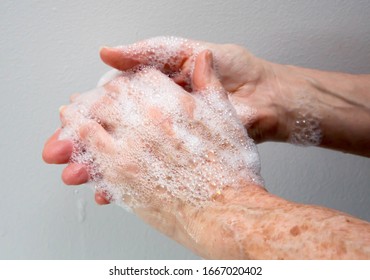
<point>81,210</point>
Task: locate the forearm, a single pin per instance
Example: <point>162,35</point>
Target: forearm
<point>262,226</point>
<point>250,223</point>
<point>339,103</point>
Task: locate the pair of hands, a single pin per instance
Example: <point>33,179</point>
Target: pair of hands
<point>178,154</point>
<point>250,82</point>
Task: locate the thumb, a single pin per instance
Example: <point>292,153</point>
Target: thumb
<point>204,75</point>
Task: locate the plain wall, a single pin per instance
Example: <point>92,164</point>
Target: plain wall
<point>49,50</point>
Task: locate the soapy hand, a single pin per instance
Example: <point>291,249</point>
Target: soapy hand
<point>143,140</point>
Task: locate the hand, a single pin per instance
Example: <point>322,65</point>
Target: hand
<point>203,131</point>
<point>251,82</point>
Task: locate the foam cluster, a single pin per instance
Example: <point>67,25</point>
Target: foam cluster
<point>146,140</point>
<point>168,54</point>
<point>306,129</point>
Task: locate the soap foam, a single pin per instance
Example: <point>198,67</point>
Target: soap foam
<point>167,54</point>
<point>158,149</point>
<point>306,129</point>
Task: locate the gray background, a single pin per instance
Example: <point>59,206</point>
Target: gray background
<point>49,49</point>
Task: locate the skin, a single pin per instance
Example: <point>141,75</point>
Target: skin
<point>247,223</point>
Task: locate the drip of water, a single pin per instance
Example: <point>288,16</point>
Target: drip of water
<point>81,210</point>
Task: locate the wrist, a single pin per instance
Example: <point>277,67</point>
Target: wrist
<point>209,231</point>
<point>217,231</point>
<point>326,108</point>
<point>300,109</point>
<point>275,114</point>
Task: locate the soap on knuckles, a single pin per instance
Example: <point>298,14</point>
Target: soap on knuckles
<point>146,141</point>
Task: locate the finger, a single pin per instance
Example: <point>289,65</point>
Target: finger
<point>204,75</point>
<point>125,60</point>
<point>106,113</point>
<point>118,58</point>
<point>101,198</point>
<point>75,174</point>
<point>57,151</point>
<point>188,104</point>
<point>167,54</point>
<point>159,119</point>
<point>97,137</point>
<point>53,137</point>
